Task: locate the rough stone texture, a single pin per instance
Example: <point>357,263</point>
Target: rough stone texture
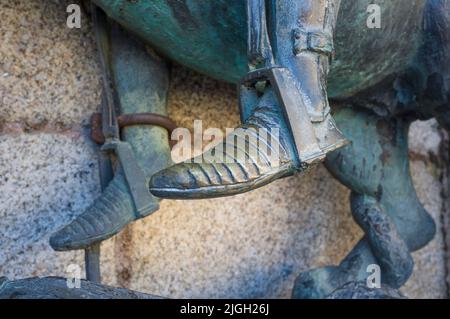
<point>430,269</point>
<point>45,180</point>
<point>446,217</point>
<point>428,172</point>
<point>37,53</point>
<point>425,138</point>
<point>251,245</point>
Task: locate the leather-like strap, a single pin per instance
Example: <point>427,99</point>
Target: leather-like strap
<point>313,41</point>
<point>110,101</point>
<point>259,49</point>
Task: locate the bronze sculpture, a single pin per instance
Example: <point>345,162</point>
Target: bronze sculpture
<point>373,106</point>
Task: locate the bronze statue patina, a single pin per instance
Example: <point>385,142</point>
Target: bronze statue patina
<point>289,59</point>
<point>290,46</point>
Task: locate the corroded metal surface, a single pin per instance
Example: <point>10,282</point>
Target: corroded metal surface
<point>359,290</point>
<point>370,80</point>
<point>137,84</point>
<point>210,37</point>
<point>380,81</point>
<point>57,288</point>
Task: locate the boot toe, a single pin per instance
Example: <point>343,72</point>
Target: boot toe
<point>178,176</point>
<point>178,180</point>
<point>63,239</point>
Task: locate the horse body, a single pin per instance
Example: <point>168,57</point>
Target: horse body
<point>210,37</point>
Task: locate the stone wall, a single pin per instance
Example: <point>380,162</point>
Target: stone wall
<point>247,246</point>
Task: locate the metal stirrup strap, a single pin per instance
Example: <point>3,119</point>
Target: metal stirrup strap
<point>319,42</point>
<point>258,46</point>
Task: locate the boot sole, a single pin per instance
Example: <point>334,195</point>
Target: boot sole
<point>215,191</point>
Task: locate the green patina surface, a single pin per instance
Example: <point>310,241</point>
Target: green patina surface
<point>210,37</point>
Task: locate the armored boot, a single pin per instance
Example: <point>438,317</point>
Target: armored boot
<point>287,125</point>
<point>139,83</point>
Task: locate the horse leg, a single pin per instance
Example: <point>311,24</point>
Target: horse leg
<point>435,60</point>
<point>141,81</point>
<point>383,202</point>
<point>376,169</point>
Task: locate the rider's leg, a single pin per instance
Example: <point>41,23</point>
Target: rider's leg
<point>299,41</point>
<point>141,81</point>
